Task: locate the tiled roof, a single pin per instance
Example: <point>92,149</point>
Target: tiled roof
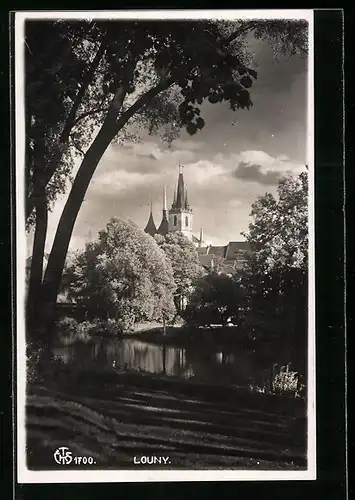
<point>206,260</point>
<point>218,251</point>
<point>202,250</point>
<point>234,248</point>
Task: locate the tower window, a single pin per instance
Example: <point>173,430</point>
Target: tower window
<point>186,221</point>
<point>175,220</point>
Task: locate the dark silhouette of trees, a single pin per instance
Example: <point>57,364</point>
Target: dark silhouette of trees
<point>217,298</point>
<point>276,274</point>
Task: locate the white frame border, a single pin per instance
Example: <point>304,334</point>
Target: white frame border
<point>25,475</point>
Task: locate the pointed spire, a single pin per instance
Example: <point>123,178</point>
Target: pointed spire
<point>164,198</point>
<point>180,194</point>
<point>151,228</point>
<point>201,237</point>
<point>164,225</point>
<point>186,200</point>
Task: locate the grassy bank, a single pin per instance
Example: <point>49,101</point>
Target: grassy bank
<point>113,417</point>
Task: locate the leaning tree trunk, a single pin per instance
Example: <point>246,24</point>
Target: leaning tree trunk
<point>36,272</point>
<point>65,134</point>
<point>41,222</point>
<point>111,126</point>
<point>56,261</point>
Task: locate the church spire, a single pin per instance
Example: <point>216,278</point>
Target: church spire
<point>200,243</point>
<point>180,194</point>
<point>164,225</point>
<point>150,228</point>
<point>164,198</point>
<point>186,200</point>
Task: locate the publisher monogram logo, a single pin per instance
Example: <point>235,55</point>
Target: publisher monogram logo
<point>63,456</point>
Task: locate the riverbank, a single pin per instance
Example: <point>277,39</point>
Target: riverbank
<point>180,334</point>
<point>116,416</point>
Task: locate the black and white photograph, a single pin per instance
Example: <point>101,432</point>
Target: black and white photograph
<point>164,246</point>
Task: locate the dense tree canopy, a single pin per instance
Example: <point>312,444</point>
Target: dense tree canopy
<point>216,299</point>
<point>123,275</point>
<point>278,233</point>
<point>276,275</point>
<point>185,263</point>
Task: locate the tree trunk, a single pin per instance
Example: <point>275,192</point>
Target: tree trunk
<point>64,136</point>
<point>108,131</point>
<point>56,261</point>
<point>36,271</point>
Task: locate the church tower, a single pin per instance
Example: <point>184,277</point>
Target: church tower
<point>180,214</point>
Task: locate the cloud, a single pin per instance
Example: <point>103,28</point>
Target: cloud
<point>145,157</point>
<point>235,158</point>
<point>253,172</point>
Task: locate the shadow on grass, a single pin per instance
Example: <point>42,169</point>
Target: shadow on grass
<point>115,416</point>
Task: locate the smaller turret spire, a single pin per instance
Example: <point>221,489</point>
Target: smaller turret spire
<point>164,225</point>
<point>200,243</point>
<point>164,198</point>
<point>186,200</point>
<point>151,228</point>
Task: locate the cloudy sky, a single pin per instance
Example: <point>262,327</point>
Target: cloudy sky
<point>237,157</point>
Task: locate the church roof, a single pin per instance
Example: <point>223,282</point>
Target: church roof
<point>206,260</point>
<point>201,250</point>
<point>234,248</point>
<point>180,194</point>
<point>217,250</point>
<point>180,201</point>
<point>151,228</point>
<point>164,225</point>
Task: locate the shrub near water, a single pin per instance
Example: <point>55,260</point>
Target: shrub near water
<point>287,382</point>
<point>71,331</point>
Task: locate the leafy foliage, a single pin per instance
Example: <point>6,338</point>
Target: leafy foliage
<point>278,233</point>
<point>276,272</point>
<point>216,299</point>
<point>124,276</point>
<point>184,261</point>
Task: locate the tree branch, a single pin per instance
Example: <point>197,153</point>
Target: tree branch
<point>84,85</point>
<point>239,31</point>
<point>70,122</point>
<point>142,101</point>
<point>75,144</point>
<point>88,113</point>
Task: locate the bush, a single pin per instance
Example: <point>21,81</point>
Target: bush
<point>100,327</point>
<point>216,300</point>
<point>287,382</point>
<point>71,331</point>
<point>67,329</point>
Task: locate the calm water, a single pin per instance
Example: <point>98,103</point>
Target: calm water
<point>213,365</point>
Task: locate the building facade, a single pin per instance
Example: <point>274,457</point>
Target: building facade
<point>179,218</point>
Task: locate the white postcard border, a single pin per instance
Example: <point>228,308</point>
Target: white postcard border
<point>24,475</point>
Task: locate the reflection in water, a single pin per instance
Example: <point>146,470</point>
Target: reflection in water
<point>240,367</point>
